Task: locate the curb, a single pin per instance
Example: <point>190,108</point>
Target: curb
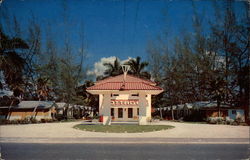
<point>151,140</point>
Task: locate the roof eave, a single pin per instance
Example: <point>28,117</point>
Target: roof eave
<point>152,92</point>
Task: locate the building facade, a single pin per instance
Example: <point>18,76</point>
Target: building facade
<point>37,109</point>
<point>125,98</point>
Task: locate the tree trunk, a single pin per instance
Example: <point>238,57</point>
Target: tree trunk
<point>8,115</point>
<point>218,105</point>
<point>160,112</point>
<point>34,111</point>
<point>172,112</point>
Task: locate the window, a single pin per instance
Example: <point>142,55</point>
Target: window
<point>138,111</point>
<point>135,95</point>
<point>233,111</point>
<point>130,112</point>
<point>112,112</point>
<point>120,112</point>
<point>114,95</point>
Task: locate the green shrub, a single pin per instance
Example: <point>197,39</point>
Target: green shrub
<point>216,120</point>
<point>33,120</point>
<point>4,121</point>
<point>239,119</point>
<point>229,121</point>
<point>157,117</point>
<point>46,120</point>
<point>15,121</point>
<point>96,117</point>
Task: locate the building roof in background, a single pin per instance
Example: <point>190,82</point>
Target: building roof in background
<point>208,104</point>
<point>197,105</point>
<point>61,104</point>
<point>33,104</point>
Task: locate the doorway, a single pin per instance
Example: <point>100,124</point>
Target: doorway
<point>120,112</point>
<point>130,112</point>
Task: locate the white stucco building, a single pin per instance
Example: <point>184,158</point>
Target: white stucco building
<point>125,98</point>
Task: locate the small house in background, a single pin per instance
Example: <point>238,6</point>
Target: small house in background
<point>60,107</point>
<point>64,110</point>
<point>202,110</point>
<point>236,114</point>
<point>36,109</point>
<point>210,109</point>
<point>78,111</point>
<point>69,111</point>
<point>88,111</point>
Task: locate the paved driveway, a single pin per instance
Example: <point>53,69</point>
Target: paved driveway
<point>65,131</point>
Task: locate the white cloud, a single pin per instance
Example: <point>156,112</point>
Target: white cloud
<point>99,68</point>
<point>123,61</point>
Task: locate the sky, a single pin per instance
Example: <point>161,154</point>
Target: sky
<point>120,28</point>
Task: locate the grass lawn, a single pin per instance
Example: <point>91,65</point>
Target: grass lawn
<point>122,128</point>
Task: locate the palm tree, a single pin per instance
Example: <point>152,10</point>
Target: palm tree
<point>113,69</point>
<point>42,91</point>
<point>11,62</point>
<point>43,88</point>
<point>137,67</point>
<point>218,91</point>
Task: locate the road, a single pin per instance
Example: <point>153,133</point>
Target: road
<point>25,151</point>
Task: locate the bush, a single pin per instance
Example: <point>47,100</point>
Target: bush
<point>15,121</point>
<point>96,117</point>
<point>216,120</point>
<point>4,121</point>
<point>26,120</point>
<point>59,117</point>
<point>33,120</point>
<point>47,120</point>
<point>157,117</point>
<point>229,121</point>
<point>240,119</point>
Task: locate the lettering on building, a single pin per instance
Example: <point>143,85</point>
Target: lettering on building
<point>132,102</point>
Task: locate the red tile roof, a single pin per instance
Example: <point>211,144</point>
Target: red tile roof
<point>132,83</point>
<point>129,78</point>
<point>127,86</point>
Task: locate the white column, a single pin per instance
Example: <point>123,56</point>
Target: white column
<point>100,104</point>
<point>125,113</point>
<point>106,110</point>
<point>142,110</point>
<point>116,113</point>
<point>148,107</point>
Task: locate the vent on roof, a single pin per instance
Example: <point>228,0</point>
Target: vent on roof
<point>125,69</point>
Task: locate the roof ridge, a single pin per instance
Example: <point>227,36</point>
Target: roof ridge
<point>129,75</point>
<point>107,78</point>
<point>141,78</point>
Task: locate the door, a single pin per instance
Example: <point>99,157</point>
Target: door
<point>120,112</point>
<point>112,112</point>
<point>130,112</point>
